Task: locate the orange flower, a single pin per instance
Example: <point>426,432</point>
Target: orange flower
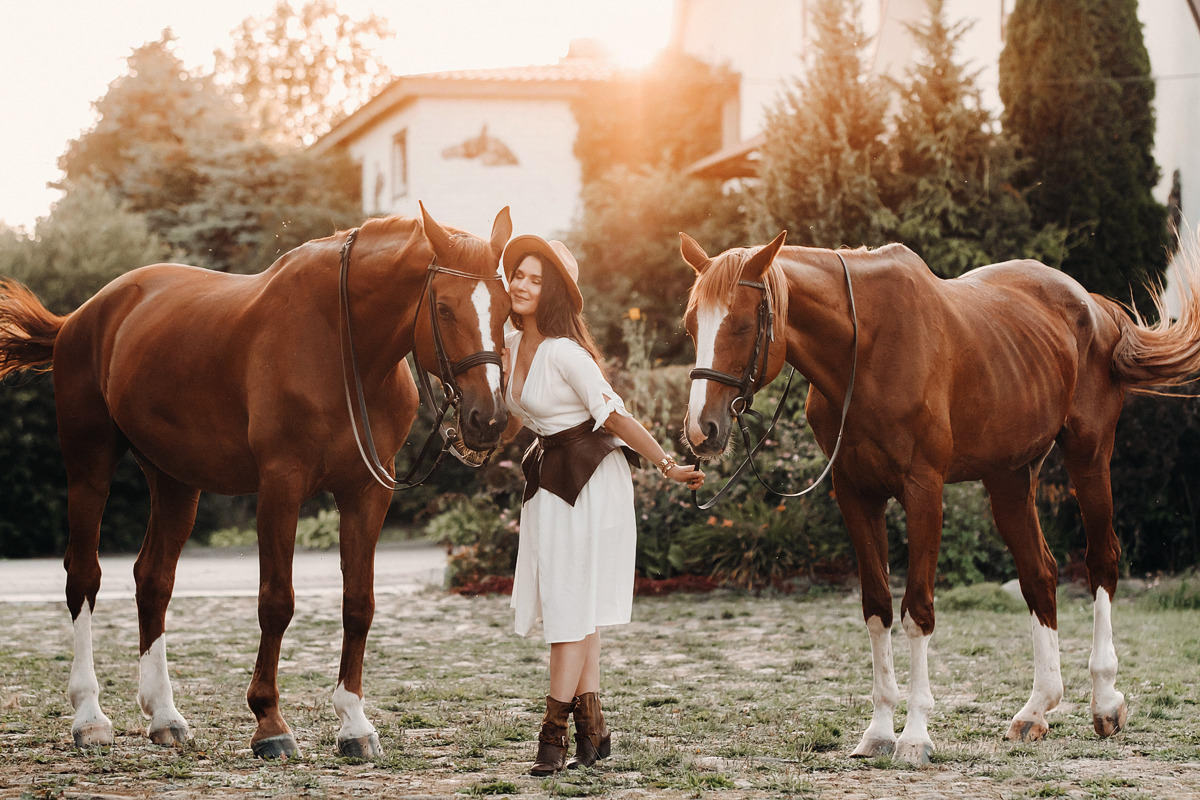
<point>635,313</point>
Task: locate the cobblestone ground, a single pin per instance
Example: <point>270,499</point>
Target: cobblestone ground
<point>718,696</point>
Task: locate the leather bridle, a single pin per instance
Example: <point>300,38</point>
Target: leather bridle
<point>447,372</point>
<point>755,372</point>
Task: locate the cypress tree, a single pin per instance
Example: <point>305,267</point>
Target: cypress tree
<point>1075,81</point>
<point>950,182</point>
<point>824,149</point>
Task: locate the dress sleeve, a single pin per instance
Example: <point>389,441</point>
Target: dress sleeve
<point>583,375</point>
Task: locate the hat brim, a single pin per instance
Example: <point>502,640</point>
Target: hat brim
<point>530,244</point>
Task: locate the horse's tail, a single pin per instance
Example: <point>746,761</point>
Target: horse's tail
<point>27,330</point>
<point>1167,352</point>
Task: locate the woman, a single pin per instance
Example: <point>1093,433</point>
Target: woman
<point>575,563</point>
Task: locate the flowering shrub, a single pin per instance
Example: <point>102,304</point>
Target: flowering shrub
<point>480,537</point>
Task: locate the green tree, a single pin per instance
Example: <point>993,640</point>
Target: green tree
<point>1075,81</point>
<point>825,144</point>
<point>628,250</point>
<point>299,71</point>
<point>256,201</point>
<point>170,146</point>
<point>87,240</point>
<point>951,180</point>
<point>666,116</point>
<point>155,123</point>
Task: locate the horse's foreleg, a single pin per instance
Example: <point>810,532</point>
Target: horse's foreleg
<point>172,513</point>
<point>278,512</point>
<point>361,521</point>
<point>868,533</point>
<point>923,516</point>
<point>1013,508</point>
<point>90,468</point>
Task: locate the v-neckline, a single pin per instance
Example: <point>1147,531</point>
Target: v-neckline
<point>519,392</point>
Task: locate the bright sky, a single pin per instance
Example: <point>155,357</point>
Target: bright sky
<point>57,57</point>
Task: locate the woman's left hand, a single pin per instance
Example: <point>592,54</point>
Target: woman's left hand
<point>692,476</point>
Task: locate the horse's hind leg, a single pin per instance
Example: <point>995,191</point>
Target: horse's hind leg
<point>91,448</point>
<point>172,513</point>
<point>1012,497</point>
<point>362,515</point>
<point>1093,488</point>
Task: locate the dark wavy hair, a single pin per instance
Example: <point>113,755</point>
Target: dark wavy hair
<point>554,314</point>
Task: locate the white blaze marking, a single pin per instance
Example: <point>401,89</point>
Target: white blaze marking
<point>483,308</point>
<point>349,708</point>
<point>708,323</point>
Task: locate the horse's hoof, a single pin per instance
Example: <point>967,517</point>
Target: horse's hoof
<point>1108,724</point>
<point>364,747</point>
<point>874,748</point>
<point>94,734</point>
<point>918,753</point>
<point>1026,730</point>
<point>173,734</point>
<point>281,746</point>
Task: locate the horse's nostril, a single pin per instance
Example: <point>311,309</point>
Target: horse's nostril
<point>710,431</point>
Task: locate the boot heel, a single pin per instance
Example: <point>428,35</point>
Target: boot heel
<point>605,748</point>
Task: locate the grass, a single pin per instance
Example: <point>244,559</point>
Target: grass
<point>722,695</point>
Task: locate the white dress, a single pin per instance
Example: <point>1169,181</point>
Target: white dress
<point>575,564</point>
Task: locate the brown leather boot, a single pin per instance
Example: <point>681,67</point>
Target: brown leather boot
<point>593,740</point>
<point>553,741</point>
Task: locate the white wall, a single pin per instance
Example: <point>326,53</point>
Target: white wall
<point>542,189</point>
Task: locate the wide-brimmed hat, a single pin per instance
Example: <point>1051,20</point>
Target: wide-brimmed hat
<point>553,251</point>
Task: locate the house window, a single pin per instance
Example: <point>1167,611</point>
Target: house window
<point>400,164</point>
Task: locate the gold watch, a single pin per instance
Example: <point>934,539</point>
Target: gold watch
<point>665,465</point>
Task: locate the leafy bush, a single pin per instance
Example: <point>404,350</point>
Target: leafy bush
<point>481,539</point>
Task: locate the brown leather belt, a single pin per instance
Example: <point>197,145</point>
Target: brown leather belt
<point>563,462</point>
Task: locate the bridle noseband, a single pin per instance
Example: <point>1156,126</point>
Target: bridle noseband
<point>756,369</point>
<point>447,372</point>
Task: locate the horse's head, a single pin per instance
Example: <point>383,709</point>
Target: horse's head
<point>470,305</point>
<point>735,317</point>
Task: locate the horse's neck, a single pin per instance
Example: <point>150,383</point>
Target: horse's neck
<point>386,297</point>
<point>820,329</point>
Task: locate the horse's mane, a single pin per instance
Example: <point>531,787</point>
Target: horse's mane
<point>717,283</point>
<point>469,251</point>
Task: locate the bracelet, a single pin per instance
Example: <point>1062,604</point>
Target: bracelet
<point>666,464</point>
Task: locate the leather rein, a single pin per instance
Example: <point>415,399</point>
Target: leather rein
<point>756,367</point>
<point>447,372</point>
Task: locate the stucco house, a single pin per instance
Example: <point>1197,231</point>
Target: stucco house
<point>467,143</point>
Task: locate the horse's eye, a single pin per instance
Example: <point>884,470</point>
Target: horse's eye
<point>445,313</point>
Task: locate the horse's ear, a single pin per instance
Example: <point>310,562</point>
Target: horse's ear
<point>756,267</point>
<point>501,231</point>
<point>439,240</point>
<point>693,253</point>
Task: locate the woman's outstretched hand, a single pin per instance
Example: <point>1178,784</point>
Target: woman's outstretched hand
<point>682,473</point>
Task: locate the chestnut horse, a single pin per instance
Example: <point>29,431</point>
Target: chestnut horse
<point>235,384</point>
<point>974,378</point>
